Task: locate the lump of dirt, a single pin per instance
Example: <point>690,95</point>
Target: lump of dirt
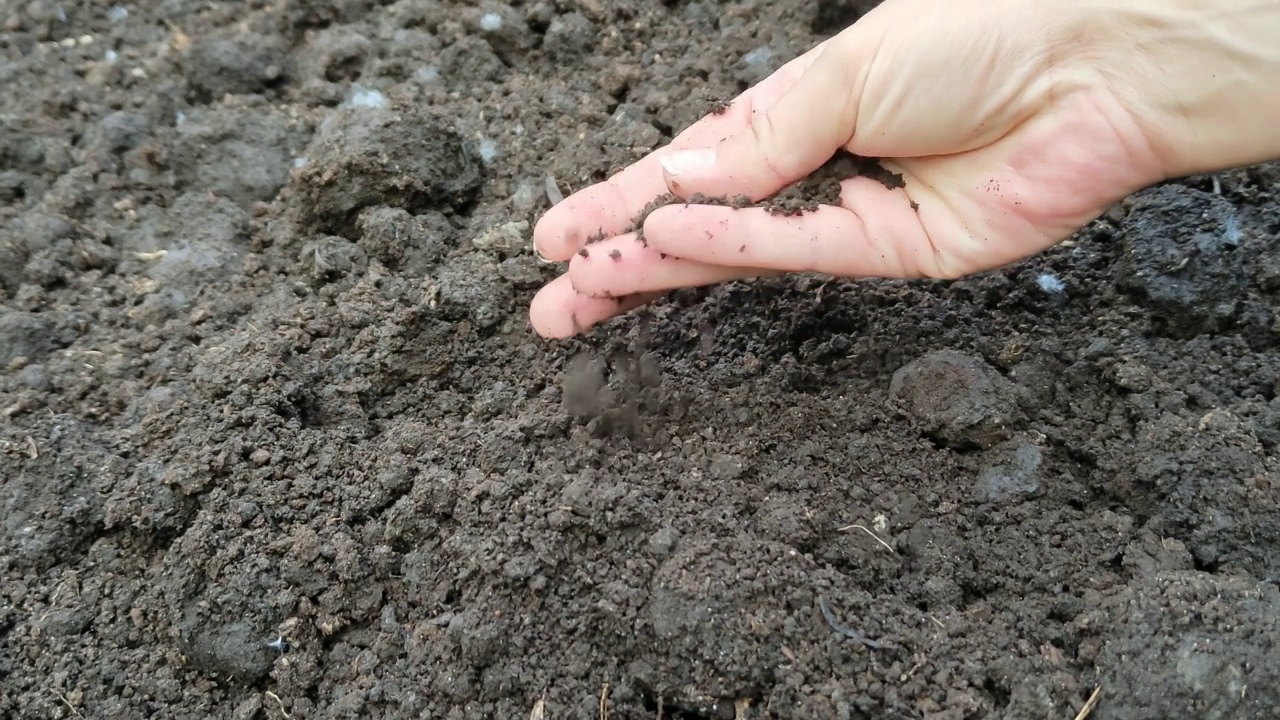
<point>334,55</point>
<point>1181,259</point>
<point>400,156</point>
<point>52,505</point>
<point>958,400</point>
<point>11,263</point>
<point>238,153</point>
<point>505,29</point>
<point>413,244</point>
<point>206,236</point>
<point>569,36</point>
<point>329,258</point>
<point>23,335</point>
<point>1205,482</point>
<point>232,650</point>
<point>237,63</point>
<point>470,283</point>
<point>1188,644</point>
<point>116,134</point>
<point>198,241</point>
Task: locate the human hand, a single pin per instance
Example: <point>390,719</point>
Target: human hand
<point>1011,123</point>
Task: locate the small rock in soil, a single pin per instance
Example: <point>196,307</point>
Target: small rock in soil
<point>1011,471</point>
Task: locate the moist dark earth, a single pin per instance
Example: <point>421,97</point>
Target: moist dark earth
<point>277,441</point>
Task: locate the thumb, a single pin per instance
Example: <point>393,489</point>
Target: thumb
<point>783,143</point>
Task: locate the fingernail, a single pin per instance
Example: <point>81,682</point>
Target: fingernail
<point>538,253</point>
<point>688,161</point>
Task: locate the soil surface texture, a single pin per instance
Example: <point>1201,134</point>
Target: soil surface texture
<point>276,440</point>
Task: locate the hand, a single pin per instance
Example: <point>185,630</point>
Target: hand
<point>1012,123</point>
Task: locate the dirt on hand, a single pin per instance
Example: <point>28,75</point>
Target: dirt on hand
<point>277,441</point>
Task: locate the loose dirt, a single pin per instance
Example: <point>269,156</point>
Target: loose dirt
<point>276,440</point>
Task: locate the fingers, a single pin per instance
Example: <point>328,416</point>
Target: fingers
<point>558,311</point>
<point>621,266</point>
<point>608,208</point>
<point>785,141</point>
<point>877,234</point>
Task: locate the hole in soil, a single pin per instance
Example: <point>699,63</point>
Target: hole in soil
<point>345,69</point>
<point>999,693</point>
<point>1206,566</point>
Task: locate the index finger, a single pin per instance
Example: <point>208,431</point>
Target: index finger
<point>610,207</point>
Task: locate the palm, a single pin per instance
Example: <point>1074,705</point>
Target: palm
<point>1000,203</point>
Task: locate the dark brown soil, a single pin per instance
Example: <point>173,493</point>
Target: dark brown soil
<point>276,440</point>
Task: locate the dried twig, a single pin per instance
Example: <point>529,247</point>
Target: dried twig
<point>67,702</point>
<point>279,702</point>
<point>1090,704</point>
<point>863,528</point>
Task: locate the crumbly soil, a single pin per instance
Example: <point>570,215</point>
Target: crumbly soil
<point>276,440</point>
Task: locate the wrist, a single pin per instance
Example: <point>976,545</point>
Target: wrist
<point>1201,77</point>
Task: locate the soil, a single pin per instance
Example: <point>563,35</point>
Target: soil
<point>278,442</point>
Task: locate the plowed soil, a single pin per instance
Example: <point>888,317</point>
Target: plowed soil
<point>277,441</point>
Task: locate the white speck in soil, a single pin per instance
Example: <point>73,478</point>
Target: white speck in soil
<point>1050,284</point>
<point>759,56</point>
<point>428,74</point>
<point>488,151</point>
<point>361,97</point>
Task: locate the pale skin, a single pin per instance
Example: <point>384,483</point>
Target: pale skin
<point>1012,122</point>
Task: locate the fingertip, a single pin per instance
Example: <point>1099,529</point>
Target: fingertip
<point>558,311</point>
<point>550,310</point>
<point>555,237</point>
